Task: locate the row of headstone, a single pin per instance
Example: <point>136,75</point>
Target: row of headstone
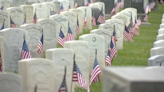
<point>157,52</point>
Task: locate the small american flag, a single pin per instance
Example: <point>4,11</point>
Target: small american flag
<point>25,51</point>
<point>131,20</point>
<point>77,27</point>
<point>101,18</point>
<point>70,36</point>
<point>24,20</point>
<point>77,76</point>
<point>40,46</point>
<point>161,1</point>
<point>93,21</point>
<point>95,72</point>
<point>93,1</point>
<point>52,12</point>
<point>152,4</point>
<point>137,31</point>
<point>128,35</point>
<point>108,60</point>
<point>3,25</point>
<point>35,18</point>
<point>139,22</point>
<point>85,21</point>
<point>147,9</point>
<point>113,50</point>
<point>112,12</point>
<point>63,87</point>
<point>146,17</point>
<point>12,24</point>
<point>61,8</point>
<point>76,4</point>
<point>1,7</point>
<point>61,39</point>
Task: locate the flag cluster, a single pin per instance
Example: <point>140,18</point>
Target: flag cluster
<point>78,77</point>
<point>117,7</point>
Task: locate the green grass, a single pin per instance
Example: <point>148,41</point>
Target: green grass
<point>137,53</point>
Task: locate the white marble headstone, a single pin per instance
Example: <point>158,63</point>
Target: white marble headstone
<point>102,5</point>
<point>71,3</point>
<point>62,57</point>
<point>160,31</point>
<point>158,43</point>
<point>34,36</point>
<point>160,37</point>
<point>122,17</point>
<point>128,15</point>
<point>57,6</point>
<point>81,50</point>
<point>61,21</point>
<point>17,3</point>
<point>28,12</point>
<point>13,42</point>
<point>50,8</point>
<point>95,42</point>
<point>119,29</point>
<point>162,25</point>
<point>65,4</point>
<point>80,18</point>
<point>162,21</point>
<point>72,19</point>
<point>10,82</point>
<point>40,9</point>
<point>157,51</point>
<point>88,12</point>
<point>37,72</point>
<point>4,19</point>
<point>107,34</point>
<point>16,15</point>
<point>6,4</point>
<point>157,60</point>
<point>49,32</point>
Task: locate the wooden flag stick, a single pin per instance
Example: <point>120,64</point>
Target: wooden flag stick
<point>72,73</point>
<point>97,82</point>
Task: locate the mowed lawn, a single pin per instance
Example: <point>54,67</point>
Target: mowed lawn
<point>137,53</point>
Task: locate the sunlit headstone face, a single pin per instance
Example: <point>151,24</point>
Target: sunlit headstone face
<point>17,17</point>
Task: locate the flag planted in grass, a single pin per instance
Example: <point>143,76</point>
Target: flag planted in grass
<point>25,53</point>
<point>95,72</point>
<point>61,8</point>
<point>40,46</point>
<point>63,87</point>
<point>111,51</point>
<point>128,35</point>
<point>70,36</point>
<point>61,39</point>
<point>78,77</point>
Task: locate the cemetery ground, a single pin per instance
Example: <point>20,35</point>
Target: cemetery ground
<point>137,53</point>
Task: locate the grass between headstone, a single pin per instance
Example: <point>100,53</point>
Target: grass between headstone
<point>133,54</point>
